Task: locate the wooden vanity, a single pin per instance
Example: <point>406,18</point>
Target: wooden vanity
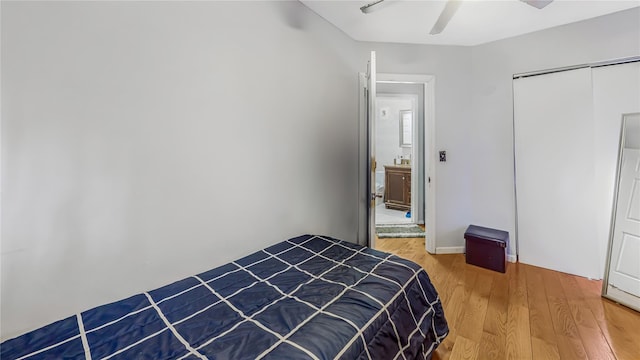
<point>397,187</point>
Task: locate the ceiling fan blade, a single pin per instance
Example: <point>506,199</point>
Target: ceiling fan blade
<point>539,4</point>
<point>370,7</point>
<point>447,13</point>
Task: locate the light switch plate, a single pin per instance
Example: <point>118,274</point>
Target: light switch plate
<point>443,156</point>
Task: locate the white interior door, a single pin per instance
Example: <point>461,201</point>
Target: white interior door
<point>554,151</point>
<point>624,270</point>
<point>371,141</point>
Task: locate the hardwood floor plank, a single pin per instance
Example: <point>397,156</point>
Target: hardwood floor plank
<point>563,323</point>
<point>459,299</point>
<point>552,283</point>
<point>518,333</point>
<point>455,276</point>
<point>517,287</point>
<point>541,349</point>
<point>464,349</point>
<point>455,306</point>
<point>475,311</point>
<point>495,322</point>
<point>539,314</point>
<point>518,328</point>
<point>572,290</point>
<point>570,347</point>
<point>492,347</point>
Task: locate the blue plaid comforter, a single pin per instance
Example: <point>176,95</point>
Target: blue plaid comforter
<point>309,297</point>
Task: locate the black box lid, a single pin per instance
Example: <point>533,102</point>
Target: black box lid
<point>487,233</point>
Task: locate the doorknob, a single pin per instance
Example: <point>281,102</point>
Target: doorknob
<point>374,196</point>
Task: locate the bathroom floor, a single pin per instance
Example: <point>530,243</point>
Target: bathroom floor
<point>390,216</point>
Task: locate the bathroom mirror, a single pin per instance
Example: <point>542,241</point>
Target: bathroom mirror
<point>406,123</point>
<point>621,281</point>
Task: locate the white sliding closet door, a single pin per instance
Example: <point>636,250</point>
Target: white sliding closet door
<point>555,172</point>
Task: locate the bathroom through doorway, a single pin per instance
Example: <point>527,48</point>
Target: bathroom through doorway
<point>399,137</point>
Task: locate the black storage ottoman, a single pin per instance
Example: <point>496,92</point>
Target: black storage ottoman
<point>486,247</point>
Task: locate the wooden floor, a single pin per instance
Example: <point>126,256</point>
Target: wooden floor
<point>527,313</point>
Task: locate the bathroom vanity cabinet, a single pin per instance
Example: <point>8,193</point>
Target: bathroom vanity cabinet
<point>397,187</point>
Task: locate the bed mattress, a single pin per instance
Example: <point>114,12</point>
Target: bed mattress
<point>310,297</point>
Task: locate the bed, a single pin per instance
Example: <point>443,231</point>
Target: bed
<point>310,297</point>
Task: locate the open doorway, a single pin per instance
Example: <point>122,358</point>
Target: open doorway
<point>402,133</point>
<point>398,162</point>
<point>424,170</point>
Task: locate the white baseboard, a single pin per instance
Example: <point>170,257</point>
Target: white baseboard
<point>512,258</point>
<point>450,250</point>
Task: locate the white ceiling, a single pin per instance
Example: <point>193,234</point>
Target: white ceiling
<point>475,22</point>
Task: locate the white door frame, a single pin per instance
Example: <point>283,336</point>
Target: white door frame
<point>429,158</point>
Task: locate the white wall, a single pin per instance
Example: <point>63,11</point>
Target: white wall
<point>145,142</point>
<point>494,64</point>
<point>388,128</point>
